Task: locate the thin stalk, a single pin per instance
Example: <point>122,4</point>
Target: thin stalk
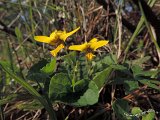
<point>115,31</point>
<point>22,10</point>
<point>136,32</point>
<point>53,117</point>
<point>31,17</point>
<point>139,28</point>
<point>10,56</point>
<point>19,64</point>
<point>74,76</point>
<point>89,64</point>
<point>44,9</point>
<point>149,30</point>
<point>74,73</point>
<point>148,27</point>
<point>119,21</point>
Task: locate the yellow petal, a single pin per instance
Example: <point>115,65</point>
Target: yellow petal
<point>98,44</point>
<point>89,56</point>
<point>66,35</point>
<point>53,34</point>
<point>44,39</point>
<point>93,40</point>
<point>55,51</point>
<point>78,47</point>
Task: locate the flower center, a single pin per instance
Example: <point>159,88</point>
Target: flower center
<point>57,41</point>
<point>89,49</point>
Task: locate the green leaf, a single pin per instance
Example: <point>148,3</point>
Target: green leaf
<point>69,63</point>
<point>136,113</point>
<point>18,34</point>
<point>37,66</point>
<point>130,85</point>
<point>35,74</point>
<point>80,84</point>
<point>140,61</point>
<point>103,62</point>
<point>121,108</point>
<point>101,77</point>
<point>90,96</point>
<point>136,110</point>
<point>137,70</point>
<point>151,83</point>
<point>39,77</point>
<point>118,67</point>
<point>149,116</point>
<point>50,67</point>
<point>59,86</point>
<point>60,90</point>
<point>109,59</point>
<point>70,58</point>
<point>151,73</point>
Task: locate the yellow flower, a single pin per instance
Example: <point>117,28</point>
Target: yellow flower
<point>89,47</point>
<point>56,38</point>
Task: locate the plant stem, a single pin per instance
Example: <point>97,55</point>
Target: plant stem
<point>89,64</point>
<point>139,28</point>
<point>74,76</point>
<point>148,27</point>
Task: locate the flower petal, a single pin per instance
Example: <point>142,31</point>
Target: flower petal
<point>78,47</point>
<point>55,51</point>
<point>53,34</point>
<point>66,35</point>
<point>98,44</point>
<point>89,56</point>
<point>93,40</point>
<point>44,39</point>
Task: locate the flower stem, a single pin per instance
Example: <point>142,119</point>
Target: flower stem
<point>89,64</point>
<point>74,76</point>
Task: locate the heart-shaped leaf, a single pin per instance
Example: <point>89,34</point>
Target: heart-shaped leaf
<point>59,87</point>
<point>121,108</point>
<point>101,77</point>
<point>90,96</point>
<point>50,67</point>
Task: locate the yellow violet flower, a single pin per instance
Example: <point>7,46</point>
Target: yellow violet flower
<point>89,47</point>
<point>56,38</point>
